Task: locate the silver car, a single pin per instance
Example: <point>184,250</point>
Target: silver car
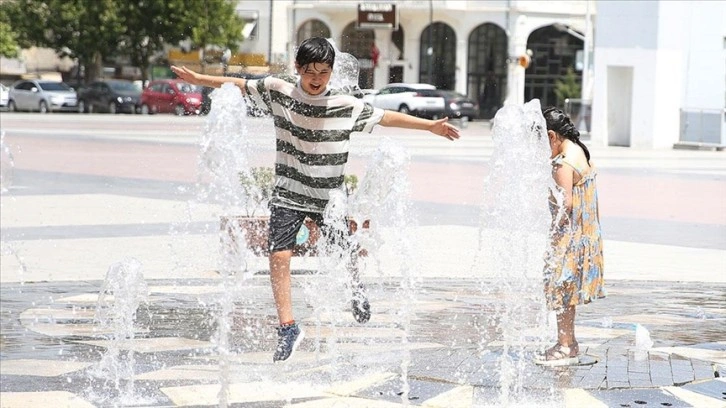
<point>42,96</point>
<point>413,99</point>
<point>4,94</point>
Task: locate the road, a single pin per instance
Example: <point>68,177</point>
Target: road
<point>668,203</point>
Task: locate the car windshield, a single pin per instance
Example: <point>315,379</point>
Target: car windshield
<point>54,86</point>
<point>123,86</point>
<point>184,87</point>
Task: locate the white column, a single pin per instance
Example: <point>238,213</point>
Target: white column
<point>515,73</point>
<point>380,73</point>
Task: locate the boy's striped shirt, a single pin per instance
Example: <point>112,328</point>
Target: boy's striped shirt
<point>313,138</point>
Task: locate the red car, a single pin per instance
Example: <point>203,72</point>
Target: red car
<point>171,96</point>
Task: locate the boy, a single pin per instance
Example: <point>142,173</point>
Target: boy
<point>312,126</point>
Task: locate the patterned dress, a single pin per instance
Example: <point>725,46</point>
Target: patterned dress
<point>574,263</point>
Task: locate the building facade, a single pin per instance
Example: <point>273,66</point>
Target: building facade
<point>472,47</point>
<point>661,73</point>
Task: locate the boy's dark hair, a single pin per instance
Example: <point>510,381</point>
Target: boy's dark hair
<point>558,122</point>
<point>315,50</point>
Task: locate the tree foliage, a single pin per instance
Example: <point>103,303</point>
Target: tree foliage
<point>567,87</point>
<point>149,25</point>
<point>95,30</point>
<point>8,38</point>
<point>214,23</point>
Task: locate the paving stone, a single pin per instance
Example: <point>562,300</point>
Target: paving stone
<point>638,398</point>
<point>713,388</point>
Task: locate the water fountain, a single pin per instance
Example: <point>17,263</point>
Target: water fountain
<point>381,199</point>
<point>7,164</point>
<point>513,238</point>
<point>122,292</point>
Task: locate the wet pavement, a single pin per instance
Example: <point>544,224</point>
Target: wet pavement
<point>51,344</point>
<point>92,190</point>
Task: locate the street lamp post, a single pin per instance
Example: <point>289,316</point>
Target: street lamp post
<point>430,49</point>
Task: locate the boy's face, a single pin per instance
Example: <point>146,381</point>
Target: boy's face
<point>314,77</point>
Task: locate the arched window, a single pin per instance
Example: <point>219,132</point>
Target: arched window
<point>487,65</point>
<point>437,65</point>
<point>553,54</point>
<point>312,28</point>
<point>359,43</point>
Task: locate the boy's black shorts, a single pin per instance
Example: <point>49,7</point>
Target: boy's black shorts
<point>285,224</point>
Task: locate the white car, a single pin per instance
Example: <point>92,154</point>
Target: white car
<point>413,99</point>
<point>4,95</point>
<point>42,96</point>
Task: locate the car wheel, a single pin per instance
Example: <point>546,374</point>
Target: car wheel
<point>82,107</point>
<point>179,110</point>
<point>112,108</point>
<point>404,109</point>
<point>12,107</point>
<point>145,110</point>
<point>43,107</point>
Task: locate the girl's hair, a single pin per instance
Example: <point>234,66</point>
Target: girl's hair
<point>560,123</point>
<point>315,50</point>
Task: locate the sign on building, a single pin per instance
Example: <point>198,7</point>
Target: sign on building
<point>377,15</point>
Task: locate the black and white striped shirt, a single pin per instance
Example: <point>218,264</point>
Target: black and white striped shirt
<point>313,138</point>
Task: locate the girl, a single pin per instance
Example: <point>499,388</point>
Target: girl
<point>574,264</point>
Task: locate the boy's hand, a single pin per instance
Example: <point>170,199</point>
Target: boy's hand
<point>186,74</point>
<point>442,127</point>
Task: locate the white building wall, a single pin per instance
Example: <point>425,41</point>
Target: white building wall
<point>676,51</point>
<point>517,18</point>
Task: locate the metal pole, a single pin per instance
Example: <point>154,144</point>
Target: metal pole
<point>586,57</point>
<point>584,92</point>
<point>269,38</point>
<point>430,49</point>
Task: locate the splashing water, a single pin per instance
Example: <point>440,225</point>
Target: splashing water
<point>643,342</point>
<point>7,165</point>
<point>223,159</point>
<point>383,198</point>
<point>514,230</point>
<point>123,290</point>
<point>345,70</point>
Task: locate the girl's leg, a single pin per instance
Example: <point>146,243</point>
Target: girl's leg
<point>566,328</point>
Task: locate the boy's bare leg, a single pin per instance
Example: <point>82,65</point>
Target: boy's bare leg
<point>280,279</point>
<point>359,304</point>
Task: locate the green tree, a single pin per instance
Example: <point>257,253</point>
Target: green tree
<point>567,87</point>
<point>213,23</point>
<point>150,24</point>
<point>82,29</point>
<point>9,47</point>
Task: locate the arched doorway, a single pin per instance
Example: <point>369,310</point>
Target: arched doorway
<point>553,53</point>
<point>312,28</point>
<point>437,64</point>
<point>395,71</point>
<point>487,64</point>
<point>358,42</point>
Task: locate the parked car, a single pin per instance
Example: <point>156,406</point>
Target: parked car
<point>171,96</point>
<point>109,95</point>
<point>207,101</point>
<point>413,99</point>
<point>458,106</point>
<point>4,95</point>
<point>42,95</point>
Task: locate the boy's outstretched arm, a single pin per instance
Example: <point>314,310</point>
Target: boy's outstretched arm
<point>212,81</point>
<point>439,127</point>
